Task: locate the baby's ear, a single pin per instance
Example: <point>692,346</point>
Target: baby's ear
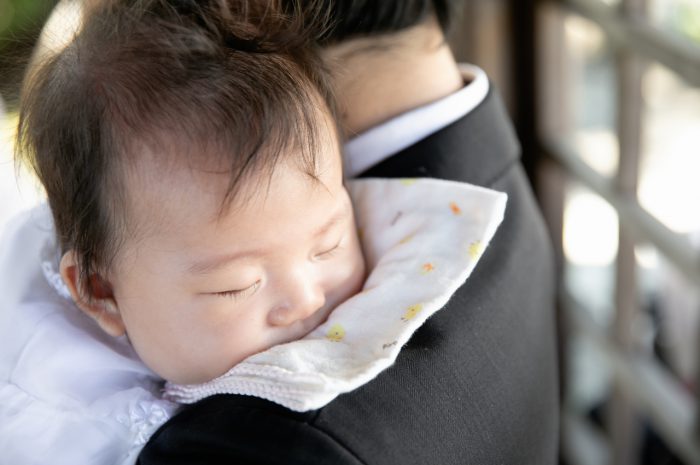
<point>96,301</point>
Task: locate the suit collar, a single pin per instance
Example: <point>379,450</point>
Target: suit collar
<point>384,140</point>
<point>476,149</point>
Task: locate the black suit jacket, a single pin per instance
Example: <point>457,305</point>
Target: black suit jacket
<point>477,384</point>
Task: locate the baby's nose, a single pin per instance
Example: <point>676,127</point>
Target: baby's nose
<point>299,305</point>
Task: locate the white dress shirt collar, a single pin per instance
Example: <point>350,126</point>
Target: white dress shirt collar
<point>380,142</point>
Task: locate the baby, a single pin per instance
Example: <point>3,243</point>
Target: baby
<point>202,216</point>
<point>193,171</point>
<point>192,166</point>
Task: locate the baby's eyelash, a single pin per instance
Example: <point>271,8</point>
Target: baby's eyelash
<point>330,252</point>
<point>240,293</point>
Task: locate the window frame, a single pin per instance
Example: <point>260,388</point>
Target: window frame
<point>641,384</point>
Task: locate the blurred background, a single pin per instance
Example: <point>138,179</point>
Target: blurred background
<point>605,95</point>
<point>606,98</point>
<point>20,24</point>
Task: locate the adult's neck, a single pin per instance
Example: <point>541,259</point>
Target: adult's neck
<point>381,77</point>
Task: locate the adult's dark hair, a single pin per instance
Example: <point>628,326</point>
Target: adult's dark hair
<point>356,18</point>
<point>230,79</point>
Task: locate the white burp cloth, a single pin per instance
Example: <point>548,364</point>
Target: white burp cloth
<point>421,238</point>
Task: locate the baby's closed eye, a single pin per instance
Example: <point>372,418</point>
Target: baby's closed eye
<point>237,294</point>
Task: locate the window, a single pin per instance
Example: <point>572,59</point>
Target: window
<point>619,124</point>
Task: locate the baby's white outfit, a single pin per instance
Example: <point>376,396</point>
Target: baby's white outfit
<point>70,394</point>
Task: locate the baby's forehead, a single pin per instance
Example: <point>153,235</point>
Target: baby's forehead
<point>168,190</point>
<point>180,215</point>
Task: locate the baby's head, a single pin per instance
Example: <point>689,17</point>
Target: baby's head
<point>193,169</point>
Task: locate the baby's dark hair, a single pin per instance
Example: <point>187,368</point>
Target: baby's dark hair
<point>235,76</point>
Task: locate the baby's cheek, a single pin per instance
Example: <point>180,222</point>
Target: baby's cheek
<point>355,274</point>
<point>360,262</point>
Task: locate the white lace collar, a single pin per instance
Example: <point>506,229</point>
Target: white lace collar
<point>50,259</point>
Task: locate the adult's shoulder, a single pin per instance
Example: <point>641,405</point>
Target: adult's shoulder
<point>226,429</point>
<point>493,347</point>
